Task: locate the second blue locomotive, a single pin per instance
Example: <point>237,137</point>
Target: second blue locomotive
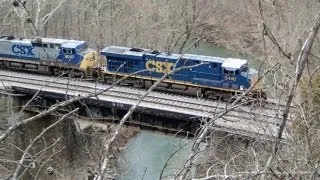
<point>216,77</point>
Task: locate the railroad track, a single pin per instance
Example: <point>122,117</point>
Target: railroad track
<point>271,104</point>
<point>243,117</point>
<point>208,106</point>
<point>267,105</point>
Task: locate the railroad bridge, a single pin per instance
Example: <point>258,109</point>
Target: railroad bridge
<point>158,111</point>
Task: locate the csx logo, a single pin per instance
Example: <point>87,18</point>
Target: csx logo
<point>159,66</point>
<point>20,49</point>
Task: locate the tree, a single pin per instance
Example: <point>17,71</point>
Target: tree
<point>282,160</point>
<point>41,17</point>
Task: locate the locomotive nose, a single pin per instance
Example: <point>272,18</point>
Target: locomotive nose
<point>91,61</point>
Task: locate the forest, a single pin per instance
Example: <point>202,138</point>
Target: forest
<point>282,35</point>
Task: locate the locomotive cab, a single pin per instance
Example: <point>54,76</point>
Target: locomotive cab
<point>68,54</point>
<point>235,74</point>
<point>238,76</point>
<point>71,52</point>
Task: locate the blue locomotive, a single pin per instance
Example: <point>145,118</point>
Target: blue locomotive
<point>216,77</point>
<point>56,56</point>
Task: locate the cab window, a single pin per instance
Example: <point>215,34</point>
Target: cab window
<point>227,72</point>
<point>57,46</point>
<point>85,46</point>
<point>68,51</point>
<point>244,68</point>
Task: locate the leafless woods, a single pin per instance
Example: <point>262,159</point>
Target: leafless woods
<point>283,35</point>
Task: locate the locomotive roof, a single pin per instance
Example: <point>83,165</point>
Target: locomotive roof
<point>64,42</point>
<point>193,57</point>
<point>140,52</point>
<point>229,63</point>
<point>61,41</point>
<point>233,64</point>
<point>125,51</point>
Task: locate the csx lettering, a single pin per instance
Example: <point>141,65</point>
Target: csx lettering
<point>159,66</point>
<point>20,49</point>
<point>230,78</point>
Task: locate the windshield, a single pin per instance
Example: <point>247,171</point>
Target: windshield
<point>244,68</point>
<point>83,47</point>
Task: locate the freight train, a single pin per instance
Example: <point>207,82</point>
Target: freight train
<point>214,77</point>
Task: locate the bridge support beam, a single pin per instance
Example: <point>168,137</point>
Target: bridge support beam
<point>113,112</point>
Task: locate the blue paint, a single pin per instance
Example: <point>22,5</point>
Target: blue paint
<point>19,57</point>
<point>27,49</point>
<point>209,74</point>
<point>71,58</point>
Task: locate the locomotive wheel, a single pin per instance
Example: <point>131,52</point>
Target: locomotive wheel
<point>228,97</point>
<point>81,75</point>
<point>211,95</point>
<point>2,65</point>
<point>139,84</point>
<point>77,74</point>
<point>56,71</point>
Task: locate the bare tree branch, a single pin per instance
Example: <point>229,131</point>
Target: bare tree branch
<point>211,123</point>
<point>300,65</point>
<point>62,104</point>
<point>16,173</point>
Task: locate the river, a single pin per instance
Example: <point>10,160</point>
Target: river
<point>146,154</point>
<point>211,50</point>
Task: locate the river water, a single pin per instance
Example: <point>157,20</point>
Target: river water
<point>146,154</point>
<point>211,50</point>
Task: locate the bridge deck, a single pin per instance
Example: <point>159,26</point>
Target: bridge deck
<point>244,120</point>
